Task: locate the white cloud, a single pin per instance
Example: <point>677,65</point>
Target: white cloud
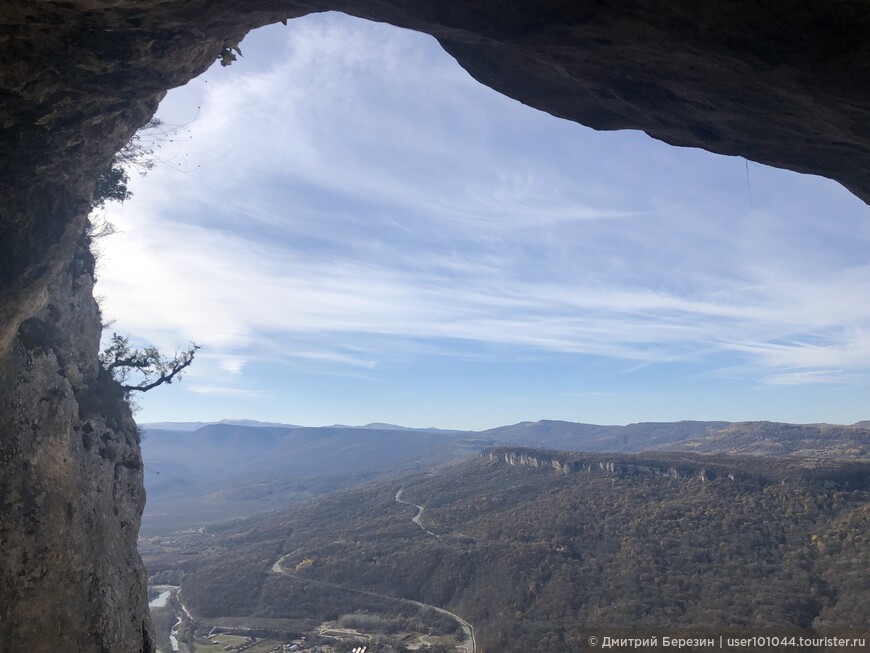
<point>805,378</point>
<point>350,209</point>
<point>223,391</point>
<point>232,364</point>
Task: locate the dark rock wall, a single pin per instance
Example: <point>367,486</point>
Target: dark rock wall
<point>785,83</point>
<point>71,491</point>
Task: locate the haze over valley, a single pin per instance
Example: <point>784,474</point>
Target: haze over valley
<point>517,538</point>
<point>200,473</point>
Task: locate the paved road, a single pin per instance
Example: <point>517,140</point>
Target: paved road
<point>415,518</point>
<point>469,643</point>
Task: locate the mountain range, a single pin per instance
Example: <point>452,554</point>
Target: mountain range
<point>199,473</point>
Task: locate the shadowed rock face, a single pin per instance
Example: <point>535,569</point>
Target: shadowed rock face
<point>71,492</point>
<point>785,83</point>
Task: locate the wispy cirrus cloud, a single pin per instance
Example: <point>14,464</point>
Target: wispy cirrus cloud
<point>224,391</point>
<point>229,292</point>
<point>805,378</point>
<point>360,200</point>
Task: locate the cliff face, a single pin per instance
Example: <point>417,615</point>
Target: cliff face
<point>71,485</point>
<point>573,463</point>
<point>754,469</point>
<point>785,83</point>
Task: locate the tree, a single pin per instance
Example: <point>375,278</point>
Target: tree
<point>111,187</point>
<point>137,154</point>
<point>125,362</point>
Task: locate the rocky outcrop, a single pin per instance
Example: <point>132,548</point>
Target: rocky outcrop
<point>572,463</point>
<point>71,489</point>
<point>752,469</point>
<point>785,83</point>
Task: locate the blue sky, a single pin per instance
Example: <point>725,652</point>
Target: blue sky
<point>355,231</point>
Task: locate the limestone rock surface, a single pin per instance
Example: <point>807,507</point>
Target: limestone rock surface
<point>71,492</point>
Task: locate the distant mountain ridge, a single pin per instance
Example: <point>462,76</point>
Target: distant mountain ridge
<point>573,436</point>
<point>193,426</point>
<point>778,439</point>
<point>202,472</point>
<point>751,438</point>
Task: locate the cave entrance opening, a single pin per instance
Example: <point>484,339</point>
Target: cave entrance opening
<point>357,231</point>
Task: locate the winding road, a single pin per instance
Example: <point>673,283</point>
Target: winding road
<point>415,518</point>
<point>469,643</point>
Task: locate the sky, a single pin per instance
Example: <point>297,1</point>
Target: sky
<point>354,230</point>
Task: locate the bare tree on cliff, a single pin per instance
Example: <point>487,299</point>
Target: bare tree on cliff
<point>148,366</point>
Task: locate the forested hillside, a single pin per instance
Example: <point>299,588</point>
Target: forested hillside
<point>532,553</point>
<point>778,439</point>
